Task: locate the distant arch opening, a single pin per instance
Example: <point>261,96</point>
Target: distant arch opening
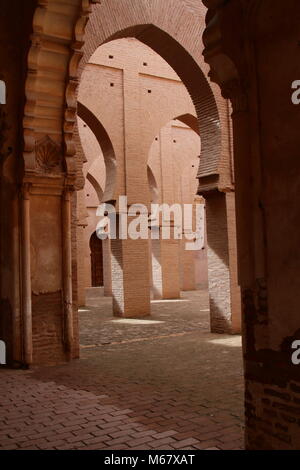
<point>96,261</point>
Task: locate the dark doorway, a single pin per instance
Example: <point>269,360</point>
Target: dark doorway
<point>96,260</point>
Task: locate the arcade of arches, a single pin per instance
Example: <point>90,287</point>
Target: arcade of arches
<point>165,101</point>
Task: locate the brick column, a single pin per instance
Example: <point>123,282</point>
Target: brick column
<point>157,283</point>
<point>235,291</point>
<point>187,272</point>
<point>224,295</point>
<point>170,268</point>
<point>81,269</point>
<point>188,257</point>
<point>165,269</point>
<point>107,267</point>
<point>130,277</point>
<point>150,266</point>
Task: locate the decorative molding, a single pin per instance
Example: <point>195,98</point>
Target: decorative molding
<point>223,70</point>
<point>234,91</point>
<point>73,82</point>
<point>4,127</point>
<point>230,54</point>
<point>51,85</point>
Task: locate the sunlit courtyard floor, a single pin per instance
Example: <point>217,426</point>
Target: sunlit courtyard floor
<point>184,315</point>
<point>163,382</point>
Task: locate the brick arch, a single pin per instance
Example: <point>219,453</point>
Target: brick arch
<point>96,186</point>
<point>106,146</point>
<point>191,121</point>
<point>167,115</point>
<point>151,25</point>
<point>49,119</point>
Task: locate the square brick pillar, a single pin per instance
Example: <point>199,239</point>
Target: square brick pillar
<point>224,292</point>
<point>81,274</point>
<point>170,268</point>
<point>130,277</point>
<point>106,250</point>
<point>157,283</point>
<point>188,269</point>
<point>166,269</point>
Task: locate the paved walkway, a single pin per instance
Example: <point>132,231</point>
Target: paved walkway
<point>161,383</point>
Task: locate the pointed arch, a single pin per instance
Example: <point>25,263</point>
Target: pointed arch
<point>106,146</point>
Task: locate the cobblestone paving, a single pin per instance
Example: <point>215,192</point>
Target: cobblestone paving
<point>176,387</point>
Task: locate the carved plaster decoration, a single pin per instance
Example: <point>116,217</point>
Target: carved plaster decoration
<point>48,156</point>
